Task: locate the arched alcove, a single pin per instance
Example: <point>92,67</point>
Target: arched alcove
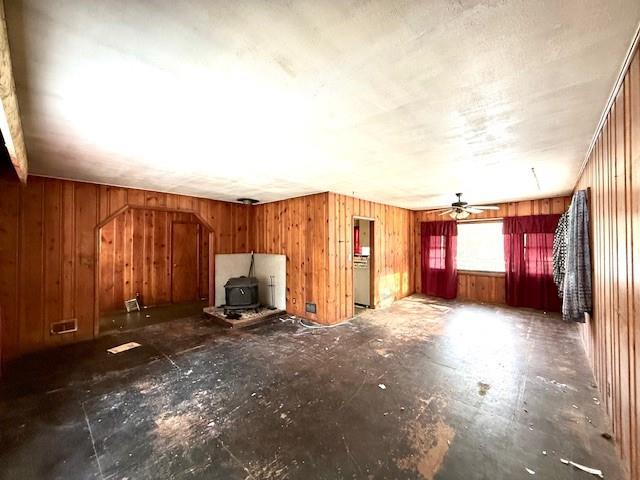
<point>165,255</point>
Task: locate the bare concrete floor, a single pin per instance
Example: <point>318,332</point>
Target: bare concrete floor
<point>424,389</point>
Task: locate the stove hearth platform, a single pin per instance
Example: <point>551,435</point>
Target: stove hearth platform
<point>247,318</point>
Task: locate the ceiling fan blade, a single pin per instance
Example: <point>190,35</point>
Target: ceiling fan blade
<point>486,207</point>
<point>446,211</point>
<point>472,210</point>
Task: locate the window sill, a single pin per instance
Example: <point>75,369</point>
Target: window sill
<point>481,273</point>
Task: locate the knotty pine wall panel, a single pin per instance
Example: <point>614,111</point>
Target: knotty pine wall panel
<point>480,286</point>
<point>392,253</point>
<point>297,228</point>
<point>135,256</point>
<point>611,337</point>
<point>48,252</point>
<point>315,233</point>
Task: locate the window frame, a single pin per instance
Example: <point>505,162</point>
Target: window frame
<point>486,273</point>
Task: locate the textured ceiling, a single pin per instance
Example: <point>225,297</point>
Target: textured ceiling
<point>402,102</point>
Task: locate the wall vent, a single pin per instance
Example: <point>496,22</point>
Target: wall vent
<point>310,307</point>
<point>64,326</point>
<point>132,305</point>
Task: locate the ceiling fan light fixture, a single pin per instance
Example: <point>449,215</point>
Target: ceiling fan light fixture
<point>460,210</point>
<point>460,215</point>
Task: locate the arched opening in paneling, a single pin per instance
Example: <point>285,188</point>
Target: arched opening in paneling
<point>165,256</point>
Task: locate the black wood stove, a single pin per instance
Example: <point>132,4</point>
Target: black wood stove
<point>241,293</point>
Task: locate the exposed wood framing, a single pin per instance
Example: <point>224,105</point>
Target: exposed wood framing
<point>10,124</point>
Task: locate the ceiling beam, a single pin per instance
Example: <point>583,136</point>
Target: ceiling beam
<point>10,124</point>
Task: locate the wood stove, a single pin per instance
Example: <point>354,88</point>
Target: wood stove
<point>241,293</point>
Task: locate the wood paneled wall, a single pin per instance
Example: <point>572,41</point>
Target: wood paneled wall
<point>481,286</point>
<point>392,251</point>
<point>48,251</point>
<point>486,287</point>
<point>135,256</point>
<point>297,228</point>
<point>612,336</point>
<point>315,233</point>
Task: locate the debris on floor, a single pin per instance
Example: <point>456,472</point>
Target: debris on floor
<point>144,412</point>
<point>592,471</point>
<point>483,388</point>
<point>123,348</point>
<point>530,472</point>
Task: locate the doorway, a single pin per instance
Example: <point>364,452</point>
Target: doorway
<point>363,264</point>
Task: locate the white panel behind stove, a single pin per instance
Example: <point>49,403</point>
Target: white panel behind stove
<point>230,265</point>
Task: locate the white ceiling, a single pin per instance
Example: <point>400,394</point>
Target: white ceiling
<point>402,102</point>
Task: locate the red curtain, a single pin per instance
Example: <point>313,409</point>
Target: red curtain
<point>439,273</point>
<point>528,247</point>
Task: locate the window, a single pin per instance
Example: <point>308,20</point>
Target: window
<point>437,252</point>
<point>538,253</point>
<point>480,246</point>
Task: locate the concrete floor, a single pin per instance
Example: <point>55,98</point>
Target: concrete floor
<point>423,389</point>
<point>114,321</point>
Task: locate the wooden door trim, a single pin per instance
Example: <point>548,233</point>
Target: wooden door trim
<point>96,261</point>
<point>372,264</point>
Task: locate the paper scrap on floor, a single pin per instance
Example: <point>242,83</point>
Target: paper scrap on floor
<point>123,348</point>
<point>592,471</point>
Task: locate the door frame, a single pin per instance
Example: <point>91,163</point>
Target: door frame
<point>372,261</point>
<point>125,208</point>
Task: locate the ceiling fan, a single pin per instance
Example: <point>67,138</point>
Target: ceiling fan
<point>460,210</point>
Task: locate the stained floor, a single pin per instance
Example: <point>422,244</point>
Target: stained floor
<point>421,390</point>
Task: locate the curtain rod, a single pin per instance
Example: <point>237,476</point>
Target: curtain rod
<point>480,220</point>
